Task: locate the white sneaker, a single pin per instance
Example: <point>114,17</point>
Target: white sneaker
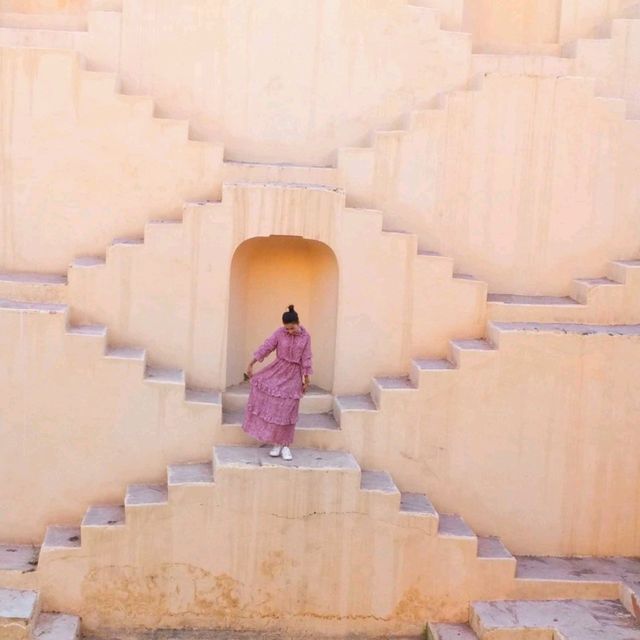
<point>275,452</point>
<point>286,454</point>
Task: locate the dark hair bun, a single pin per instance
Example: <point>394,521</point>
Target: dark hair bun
<point>291,308</point>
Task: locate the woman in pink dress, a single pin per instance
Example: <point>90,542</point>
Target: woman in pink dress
<point>274,397</point>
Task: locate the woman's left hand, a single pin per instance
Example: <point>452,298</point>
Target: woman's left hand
<point>305,385</point>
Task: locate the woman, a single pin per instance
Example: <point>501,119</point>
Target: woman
<point>274,398</point>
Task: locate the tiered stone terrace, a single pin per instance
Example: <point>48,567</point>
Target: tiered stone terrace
<point>499,144</point>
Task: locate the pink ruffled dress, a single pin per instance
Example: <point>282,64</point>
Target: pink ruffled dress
<point>274,397</point>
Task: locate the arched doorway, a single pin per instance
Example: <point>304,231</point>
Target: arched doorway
<point>269,273</point>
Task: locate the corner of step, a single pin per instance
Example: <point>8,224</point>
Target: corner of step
<point>57,626</point>
<point>18,607</point>
<point>104,516</point>
<point>203,397</point>
<point>453,526</point>
<point>61,537</point>
<point>378,481</point>
<point>190,474</point>
<point>492,548</point>
<point>158,375</point>
<point>146,495</point>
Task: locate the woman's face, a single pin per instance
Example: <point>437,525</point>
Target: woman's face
<point>291,328</point>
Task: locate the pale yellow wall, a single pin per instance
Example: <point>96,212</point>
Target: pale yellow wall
<point>298,550</point>
<point>272,93</point>
<point>101,172</point>
<point>520,25</point>
<point>517,22</point>
<point>527,182</point>
<point>77,426</point>
<point>588,18</point>
<point>535,442</point>
<point>171,293</point>
<point>614,62</point>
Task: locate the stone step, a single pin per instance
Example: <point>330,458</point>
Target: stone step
<point>519,63</point>
<point>578,577</point>
<point>61,537</point>
<point>18,558</point>
<point>103,516</point>
<point>470,352</point>
<point>198,473</point>
<point>343,405</point>
<point>379,481</point>
<point>417,505</point>
<point>453,526</point>
<point>500,332</point>
<point>204,397</point>
<point>38,38</point>
<point>306,421</point>
<point>159,375</point>
<point>145,495</point>
<point>315,400</point>
<point>450,632</point>
<point>625,271</point>
<point>492,548</point>
<point>56,626</point>
<point>33,287</point>
<point>248,458</point>
<point>269,172</point>
<point>33,307</point>
<point>583,288</point>
<point>44,21</point>
<point>18,611</point>
<point>380,385</point>
<point>568,619</point>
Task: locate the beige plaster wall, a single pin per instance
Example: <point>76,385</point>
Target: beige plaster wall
<point>527,182</point>
<point>295,549</point>
<point>52,7</point>
<point>518,23</point>
<point>535,441</point>
<point>82,165</point>
<point>523,26</point>
<point>75,422</point>
<point>614,62</point>
<point>171,293</point>
<point>271,93</point>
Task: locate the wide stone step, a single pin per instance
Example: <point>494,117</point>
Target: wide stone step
<point>568,619</point>
<point>315,400</point>
<point>306,421</point>
<point>19,558</point>
<point>226,458</point>
<point>18,610</point>
<point>56,626</point>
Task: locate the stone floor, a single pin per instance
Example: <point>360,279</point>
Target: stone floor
<point>223,635</point>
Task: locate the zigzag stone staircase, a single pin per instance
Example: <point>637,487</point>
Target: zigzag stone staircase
<point>198,502</point>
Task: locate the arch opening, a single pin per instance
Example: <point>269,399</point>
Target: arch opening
<point>268,274</point>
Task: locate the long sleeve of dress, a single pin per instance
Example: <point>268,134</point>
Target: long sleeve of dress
<point>306,362</point>
<point>266,347</point>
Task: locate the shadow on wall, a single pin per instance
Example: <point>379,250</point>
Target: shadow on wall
<point>267,274</point>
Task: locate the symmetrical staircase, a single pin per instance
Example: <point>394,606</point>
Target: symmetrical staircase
<point>226,543</point>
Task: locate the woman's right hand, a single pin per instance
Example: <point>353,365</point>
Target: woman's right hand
<point>249,372</point>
